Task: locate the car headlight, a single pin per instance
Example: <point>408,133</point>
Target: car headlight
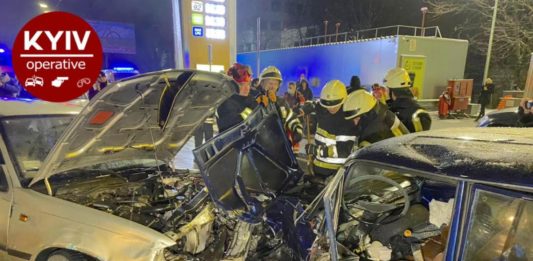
<point>484,122</point>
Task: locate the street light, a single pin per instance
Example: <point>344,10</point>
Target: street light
<point>43,5</point>
<point>424,10</point>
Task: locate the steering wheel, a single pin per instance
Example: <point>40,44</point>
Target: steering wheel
<point>380,208</point>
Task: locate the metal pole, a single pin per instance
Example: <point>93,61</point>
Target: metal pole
<point>325,30</point>
<point>424,11</point>
<point>528,91</point>
<point>258,48</point>
<point>489,50</point>
<point>337,25</point>
<point>397,30</point>
<point>210,56</point>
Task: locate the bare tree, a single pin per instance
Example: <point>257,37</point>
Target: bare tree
<point>513,34</point>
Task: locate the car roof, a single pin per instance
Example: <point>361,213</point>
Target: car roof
<point>494,155</point>
<point>27,107</point>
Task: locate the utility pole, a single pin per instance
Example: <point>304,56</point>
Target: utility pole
<point>258,47</point>
<point>528,91</point>
<point>337,25</point>
<point>325,30</point>
<point>489,50</point>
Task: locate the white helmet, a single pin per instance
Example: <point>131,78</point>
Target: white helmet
<point>271,72</point>
<point>333,94</point>
<point>397,78</point>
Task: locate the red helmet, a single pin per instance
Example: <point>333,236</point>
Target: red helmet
<point>240,73</point>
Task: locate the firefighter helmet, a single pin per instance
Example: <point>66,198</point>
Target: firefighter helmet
<point>241,73</point>
<point>397,78</point>
<point>488,81</point>
<point>333,94</point>
<point>358,103</point>
<point>271,72</point>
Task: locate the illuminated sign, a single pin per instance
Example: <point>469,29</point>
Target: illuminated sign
<point>216,21</point>
<point>197,19</point>
<point>210,68</point>
<point>197,6</point>
<point>215,33</point>
<point>216,9</point>
<point>197,31</point>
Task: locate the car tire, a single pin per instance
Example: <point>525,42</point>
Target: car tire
<point>66,255</point>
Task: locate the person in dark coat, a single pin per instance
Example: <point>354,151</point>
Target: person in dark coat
<point>525,113</point>
<point>8,87</point>
<point>100,84</point>
<point>355,84</point>
<point>484,97</point>
<point>303,88</point>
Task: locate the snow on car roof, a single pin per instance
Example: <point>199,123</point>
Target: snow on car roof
<point>499,155</point>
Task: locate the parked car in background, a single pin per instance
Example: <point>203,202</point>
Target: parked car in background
<point>502,118</point>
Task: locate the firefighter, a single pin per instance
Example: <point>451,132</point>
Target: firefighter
<point>239,106</point>
<point>269,82</point>
<point>373,121</point>
<point>402,101</point>
<point>335,136</point>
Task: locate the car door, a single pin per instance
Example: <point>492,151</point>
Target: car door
<point>5,203</point>
<point>499,225</point>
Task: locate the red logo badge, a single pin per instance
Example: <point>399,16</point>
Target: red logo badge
<point>57,56</point>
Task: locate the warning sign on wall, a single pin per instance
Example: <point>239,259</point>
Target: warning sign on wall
<point>416,66</point>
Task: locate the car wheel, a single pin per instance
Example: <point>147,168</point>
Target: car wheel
<point>66,255</point>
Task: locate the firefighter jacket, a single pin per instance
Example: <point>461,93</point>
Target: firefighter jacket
<point>379,124</point>
<point>335,137</point>
<point>412,115</point>
<point>290,120</point>
<point>234,110</point>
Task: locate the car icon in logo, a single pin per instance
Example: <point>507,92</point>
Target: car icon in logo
<point>34,81</point>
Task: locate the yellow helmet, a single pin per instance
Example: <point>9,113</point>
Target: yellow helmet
<point>358,103</point>
<point>488,81</point>
<point>397,78</point>
<point>333,94</point>
<point>271,72</point>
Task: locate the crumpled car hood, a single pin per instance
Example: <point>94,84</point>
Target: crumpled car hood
<point>123,121</point>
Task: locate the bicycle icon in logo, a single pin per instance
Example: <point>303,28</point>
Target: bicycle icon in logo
<point>82,82</point>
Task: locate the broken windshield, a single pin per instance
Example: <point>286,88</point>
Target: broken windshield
<point>29,140</point>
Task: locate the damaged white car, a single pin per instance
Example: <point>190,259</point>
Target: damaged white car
<point>107,190</point>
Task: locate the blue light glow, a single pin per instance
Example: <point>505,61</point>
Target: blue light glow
<point>124,69</point>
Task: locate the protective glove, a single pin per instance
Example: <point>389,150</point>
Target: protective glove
<point>297,136</point>
<point>262,100</point>
<point>272,96</point>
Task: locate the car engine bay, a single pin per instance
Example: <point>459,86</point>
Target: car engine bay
<point>175,203</point>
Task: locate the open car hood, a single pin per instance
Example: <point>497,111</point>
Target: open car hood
<point>150,116</point>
